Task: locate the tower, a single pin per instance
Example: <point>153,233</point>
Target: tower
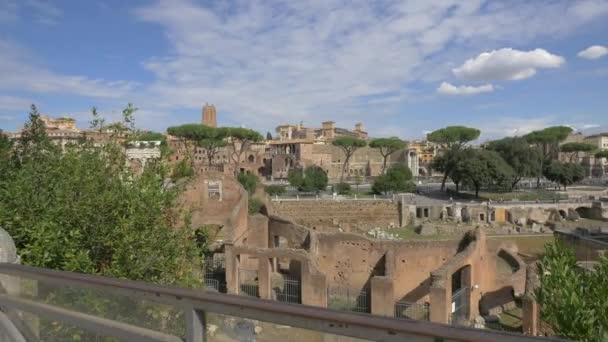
<point>209,115</point>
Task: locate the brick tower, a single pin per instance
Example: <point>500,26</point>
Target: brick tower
<point>209,115</point>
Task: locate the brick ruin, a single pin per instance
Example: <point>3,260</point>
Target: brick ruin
<point>272,256</point>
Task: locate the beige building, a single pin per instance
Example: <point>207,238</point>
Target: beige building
<point>598,140</point>
<point>61,131</point>
<point>327,132</point>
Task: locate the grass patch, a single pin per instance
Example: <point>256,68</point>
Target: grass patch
<point>511,319</point>
<point>527,195</point>
<point>532,246</point>
<point>409,233</point>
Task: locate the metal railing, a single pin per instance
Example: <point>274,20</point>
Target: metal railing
<point>419,311</point>
<point>202,311</point>
<point>346,299</point>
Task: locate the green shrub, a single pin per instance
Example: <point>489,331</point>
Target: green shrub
<point>181,170</point>
<point>248,181</point>
<point>343,188</point>
<point>396,179</point>
<point>255,204</point>
<point>273,190</point>
<point>313,178</point>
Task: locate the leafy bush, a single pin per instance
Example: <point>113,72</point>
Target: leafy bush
<point>248,181</point>
<point>396,179</point>
<point>255,204</point>
<point>572,300</point>
<point>343,188</point>
<point>273,190</point>
<point>313,178</point>
<point>182,169</point>
<point>83,210</point>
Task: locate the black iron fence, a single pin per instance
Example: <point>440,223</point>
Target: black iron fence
<point>340,298</point>
<point>290,291</point>
<point>419,311</point>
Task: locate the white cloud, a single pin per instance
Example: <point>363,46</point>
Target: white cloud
<point>448,89</point>
<point>594,52</point>
<point>589,126</point>
<point>319,59</point>
<point>507,64</point>
<point>507,125</point>
<point>21,73</point>
<point>9,103</point>
<point>263,61</point>
<point>7,118</point>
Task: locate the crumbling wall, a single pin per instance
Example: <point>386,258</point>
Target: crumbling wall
<point>348,215</point>
<point>296,235</point>
<point>348,260</point>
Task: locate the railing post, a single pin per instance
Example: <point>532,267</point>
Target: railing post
<point>195,326</point>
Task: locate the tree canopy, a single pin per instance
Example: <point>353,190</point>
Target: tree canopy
<point>602,154</point>
<point>207,137</point>
<point>575,148</point>
<point>452,139</point>
<point>312,178</point>
<point>397,179</point>
<point>151,136</point>
<point>547,141</point>
<point>453,136</point>
<point>564,173</point>
<point>240,139</point>
<point>348,145</point>
<point>517,152</point>
<point>485,168</point>
<point>386,147</point>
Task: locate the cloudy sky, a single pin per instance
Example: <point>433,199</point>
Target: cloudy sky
<point>400,67</point>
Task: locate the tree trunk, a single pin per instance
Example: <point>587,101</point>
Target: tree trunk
<point>344,169</point>
<point>384,165</point>
<point>445,177</point>
<point>476,191</point>
<point>457,186</point>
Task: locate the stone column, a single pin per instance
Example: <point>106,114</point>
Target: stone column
<point>313,287</point>
<point>440,299</point>
<point>439,305</point>
<point>382,294</point>
<point>232,269</point>
<point>264,278</point>
<point>530,316</point>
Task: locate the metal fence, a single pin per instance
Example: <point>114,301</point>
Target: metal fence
<point>419,311</point>
<point>336,198</point>
<point>248,283</point>
<point>460,306</point>
<point>199,308</point>
<point>346,299</point>
<point>291,290</point>
<point>214,273</point>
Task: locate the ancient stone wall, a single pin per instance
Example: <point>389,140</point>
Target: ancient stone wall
<point>296,236</point>
<point>328,216</point>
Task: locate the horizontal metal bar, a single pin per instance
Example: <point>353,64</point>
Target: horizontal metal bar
<point>92,323</point>
<point>296,315</point>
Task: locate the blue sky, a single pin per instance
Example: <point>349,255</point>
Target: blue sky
<point>400,67</point>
